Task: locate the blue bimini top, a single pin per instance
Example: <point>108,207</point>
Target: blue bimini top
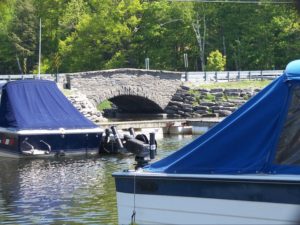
<point>262,136</point>
<point>38,104</point>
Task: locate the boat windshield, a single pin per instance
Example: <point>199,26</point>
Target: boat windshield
<point>288,150</point>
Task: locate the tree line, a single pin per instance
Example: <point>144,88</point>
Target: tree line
<point>82,35</point>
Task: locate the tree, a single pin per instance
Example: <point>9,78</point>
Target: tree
<point>216,61</point>
<point>163,35</point>
<point>24,33</point>
<point>101,34</point>
<point>105,35</point>
<point>7,58</point>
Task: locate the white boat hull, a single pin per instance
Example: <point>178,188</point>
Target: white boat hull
<point>157,209</point>
<point>160,198</point>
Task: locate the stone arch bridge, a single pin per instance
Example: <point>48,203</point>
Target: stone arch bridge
<point>131,90</point>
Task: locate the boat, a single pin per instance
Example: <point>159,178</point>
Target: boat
<point>37,120</point>
<point>244,170</point>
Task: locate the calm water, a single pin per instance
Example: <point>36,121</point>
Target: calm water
<point>68,190</point>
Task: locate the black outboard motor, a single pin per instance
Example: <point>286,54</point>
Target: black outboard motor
<point>139,149</point>
<point>139,145</point>
<point>143,150</point>
<point>131,132</point>
<point>107,135</point>
<point>117,137</point>
<point>111,142</point>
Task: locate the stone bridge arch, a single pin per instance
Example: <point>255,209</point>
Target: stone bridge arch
<point>133,100</point>
<point>133,90</point>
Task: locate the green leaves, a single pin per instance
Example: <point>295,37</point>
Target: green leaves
<point>103,34</point>
<point>216,61</point>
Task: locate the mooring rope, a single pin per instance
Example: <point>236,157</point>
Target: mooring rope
<point>133,212</point>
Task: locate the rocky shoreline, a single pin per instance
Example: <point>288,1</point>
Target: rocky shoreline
<point>84,105</point>
<point>202,102</point>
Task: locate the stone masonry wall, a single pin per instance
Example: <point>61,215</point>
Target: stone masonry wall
<point>186,103</point>
<point>82,103</point>
<point>157,86</point>
<point>207,102</point>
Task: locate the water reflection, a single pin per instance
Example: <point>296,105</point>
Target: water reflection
<point>67,190</point>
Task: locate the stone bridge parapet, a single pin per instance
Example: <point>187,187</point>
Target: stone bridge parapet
<point>132,90</point>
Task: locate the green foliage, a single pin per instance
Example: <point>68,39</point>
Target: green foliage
<point>102,34</point>
<point>7,56</point>
<point>216,61</point>
<point>104,105</point>
<point>209,97</point>
<point>23,33</point>
<point>45,67</point>
<point>235,84</point>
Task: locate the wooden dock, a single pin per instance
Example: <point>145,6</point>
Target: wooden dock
<point>161,123</point>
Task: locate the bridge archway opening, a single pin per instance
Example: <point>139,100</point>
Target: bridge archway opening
<point>135,105</point>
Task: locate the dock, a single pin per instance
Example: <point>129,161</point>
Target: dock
<point>163,123</point>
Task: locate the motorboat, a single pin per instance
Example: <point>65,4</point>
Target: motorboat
<point>244,170</point>
<point>37,120</point>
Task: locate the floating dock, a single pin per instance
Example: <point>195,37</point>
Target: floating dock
<point>163,123</point>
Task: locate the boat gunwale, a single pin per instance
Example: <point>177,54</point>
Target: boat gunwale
<point>249,178</point>
<point>51,131</point>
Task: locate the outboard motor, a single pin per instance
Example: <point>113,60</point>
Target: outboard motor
<point>107,135</point>
<point>131,132</point>
<point>108,143</point>
<point>117,137</point>
<point>143,151</point>
<point>139,145</point>
<point>139,149</point>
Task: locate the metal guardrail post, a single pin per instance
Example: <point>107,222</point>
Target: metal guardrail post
<point>249,75</point>
<point>216,76</point>
<point>182,77</point>
<point>205,76</point>
<point>239,75</point>
<point>261,75</point>
<point>228,76</point>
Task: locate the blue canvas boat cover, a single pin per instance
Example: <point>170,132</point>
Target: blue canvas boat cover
<point>262,136</point>
<point>38,104</point>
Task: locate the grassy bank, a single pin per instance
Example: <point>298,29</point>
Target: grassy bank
<point>233,84</point>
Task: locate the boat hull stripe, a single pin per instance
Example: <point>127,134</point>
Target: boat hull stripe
<point>257,191</point>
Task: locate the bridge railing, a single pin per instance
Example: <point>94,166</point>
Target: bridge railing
<point>23,76</point>
<point>188,76</point>
<point>230,75</point>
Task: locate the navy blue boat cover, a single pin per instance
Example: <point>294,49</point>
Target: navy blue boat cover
<point>262,136</point>
<point>38,104</point>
